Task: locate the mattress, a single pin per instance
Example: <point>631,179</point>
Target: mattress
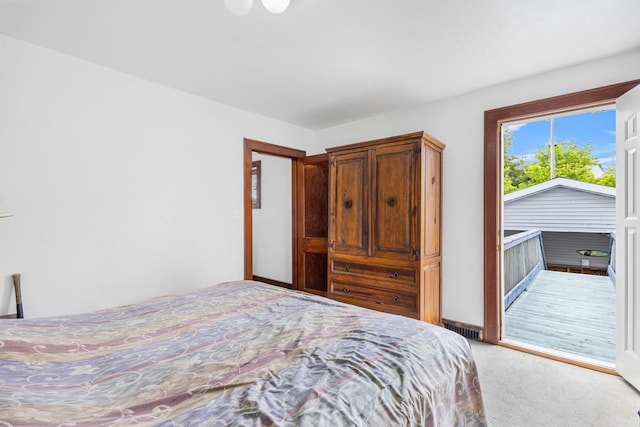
<point>237,353</point>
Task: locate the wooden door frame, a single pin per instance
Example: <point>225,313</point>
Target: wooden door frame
<point>493,119</point>
<point>252,146</point>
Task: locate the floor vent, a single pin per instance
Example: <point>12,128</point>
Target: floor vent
<point>468,331</point>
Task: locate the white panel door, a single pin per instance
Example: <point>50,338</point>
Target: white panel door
<point>627,237</point>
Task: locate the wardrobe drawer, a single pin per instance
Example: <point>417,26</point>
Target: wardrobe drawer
<point>400,274</point>
<point>391,301</point>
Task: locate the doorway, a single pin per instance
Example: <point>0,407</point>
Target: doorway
<point>306,226</point>
<point>272,201</point>
<point>559,223</point>
<point>290,156</point>
<point>493,215</point>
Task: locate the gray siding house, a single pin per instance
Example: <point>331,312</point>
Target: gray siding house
<point>572,215</point>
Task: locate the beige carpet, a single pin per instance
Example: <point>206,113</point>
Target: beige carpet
<point>522,390</point>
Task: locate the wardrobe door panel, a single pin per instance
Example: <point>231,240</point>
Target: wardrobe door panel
<point>394,202</point>
<point>349,205</point>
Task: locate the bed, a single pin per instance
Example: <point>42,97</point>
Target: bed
<point>237,353</point>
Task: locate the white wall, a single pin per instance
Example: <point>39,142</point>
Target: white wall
<point>459,123</point>
<point>272,223</point>
<point>122,189</point>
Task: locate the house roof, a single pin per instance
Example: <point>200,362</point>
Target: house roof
<point>326,62</point>
<point>571,184</point>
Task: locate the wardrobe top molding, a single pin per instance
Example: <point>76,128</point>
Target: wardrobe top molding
<point>400,139</point>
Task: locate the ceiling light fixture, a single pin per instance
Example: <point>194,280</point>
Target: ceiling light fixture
<point>243,7</point>
<point>276,6</point>
<point>239,7</point>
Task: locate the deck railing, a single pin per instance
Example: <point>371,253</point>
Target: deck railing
<point>611,268</point>
<point>523,259</point>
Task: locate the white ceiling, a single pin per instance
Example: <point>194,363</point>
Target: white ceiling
<point>324,62</point>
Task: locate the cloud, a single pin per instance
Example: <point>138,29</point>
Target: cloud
<point>607,161</point>
<point>525,157</point>
<point>604,149</point>
<point>515,127</point>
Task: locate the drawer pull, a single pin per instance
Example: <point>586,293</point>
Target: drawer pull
<point>345,290</point>
<point>347,268</point>
<point>348,203</point>
<point>396,299</point>
<point>391,201</point>
<point>395,275</point>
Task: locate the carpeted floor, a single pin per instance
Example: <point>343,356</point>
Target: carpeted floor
<point>522,390</point>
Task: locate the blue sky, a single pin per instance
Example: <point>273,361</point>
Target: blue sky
<point>595,127</point>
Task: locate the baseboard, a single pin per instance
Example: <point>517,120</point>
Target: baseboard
<point>9,316</point>
<point>273,282</point>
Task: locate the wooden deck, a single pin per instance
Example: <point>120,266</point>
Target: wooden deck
<point>566,312</point>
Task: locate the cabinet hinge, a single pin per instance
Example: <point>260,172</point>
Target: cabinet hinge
<point>416,252</point>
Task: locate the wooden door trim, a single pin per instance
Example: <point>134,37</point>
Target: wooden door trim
<point>251,146</point>
<point>493,119</point>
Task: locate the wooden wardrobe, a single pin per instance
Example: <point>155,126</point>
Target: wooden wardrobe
<point>384,225</point>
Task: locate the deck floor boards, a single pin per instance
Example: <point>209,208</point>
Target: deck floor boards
<point>567,312</point>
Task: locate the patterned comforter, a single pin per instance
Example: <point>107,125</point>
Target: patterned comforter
<point>241,353</point>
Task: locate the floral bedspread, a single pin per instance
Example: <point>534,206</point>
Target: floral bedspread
<point>240,353</point>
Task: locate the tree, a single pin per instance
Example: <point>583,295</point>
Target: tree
<point>608,178</point>
<point>513,167</point>
<point>571,161</point>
